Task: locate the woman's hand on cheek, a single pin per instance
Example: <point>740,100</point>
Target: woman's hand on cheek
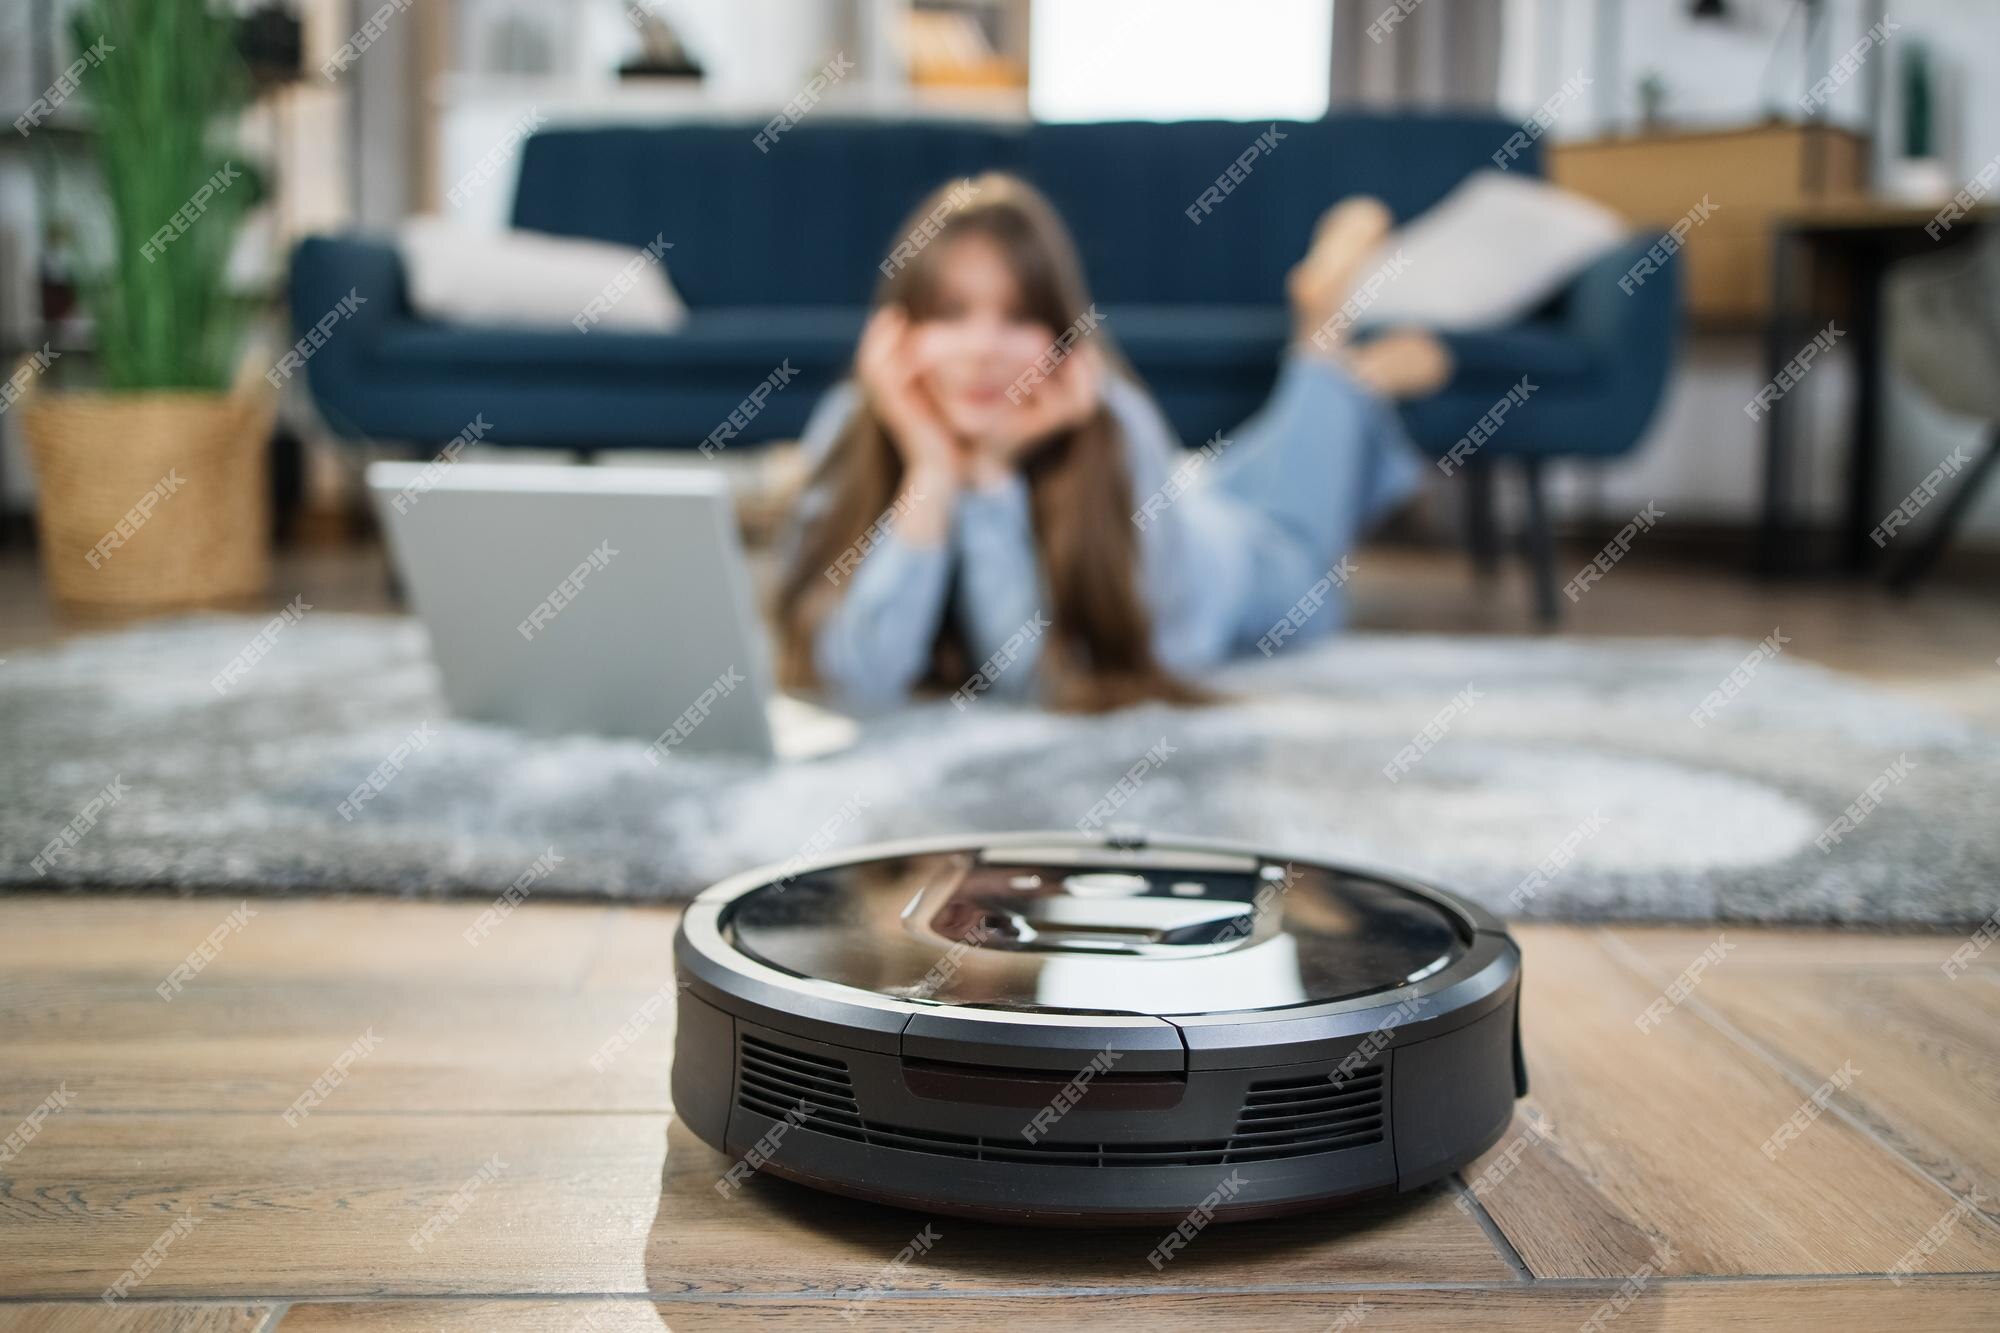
<point>1064,400</point>
<point>889,366</point>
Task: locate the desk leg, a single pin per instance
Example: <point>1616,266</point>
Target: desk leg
<point>1480,532</point>
<point>1540,542</point>
<point>1916,562</point>
<point>1864,459</point>
<point>1774,537</point>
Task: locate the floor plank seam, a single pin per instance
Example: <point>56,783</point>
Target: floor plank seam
<point>1801,1080</point>
<point>1501,1245</point>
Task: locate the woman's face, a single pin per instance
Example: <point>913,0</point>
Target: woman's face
<point>979,340</point>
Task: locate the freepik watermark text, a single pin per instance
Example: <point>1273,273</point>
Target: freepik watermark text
<point>81,823</point>
<point>135,518</point>
<point>566,591</point>
<point>1310,601</point>
<point>387,771</point>
<point>433,471</point>
<point>1238,171</point>
<point>1670,243</point>
<point>990,671</point>
<point>1054,354</point>
<point>802,103</point>
<point>621,283</point>
<point>66,84</point>
<point>745,412</point>
<point>1486,427</point>
<point>1614,550</point>
<point>928,228</point>
<point>1536,125</point>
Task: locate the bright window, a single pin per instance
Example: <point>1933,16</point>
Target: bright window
<point>1180,59</point>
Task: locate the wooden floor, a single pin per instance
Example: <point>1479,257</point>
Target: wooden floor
<point>1633,1189</point>
<point>568,1198</point>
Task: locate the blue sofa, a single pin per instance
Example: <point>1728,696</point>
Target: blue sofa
<point>776,253</point>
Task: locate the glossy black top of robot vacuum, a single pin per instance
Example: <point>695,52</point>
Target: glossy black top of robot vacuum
<point>1061,928</point>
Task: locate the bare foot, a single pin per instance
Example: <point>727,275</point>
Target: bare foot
<point>1348,233</point>
<point>1405,363</point>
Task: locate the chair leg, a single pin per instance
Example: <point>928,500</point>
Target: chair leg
<point>1917,562</point>
<point>1480,534</point>
<point>1539,543</point>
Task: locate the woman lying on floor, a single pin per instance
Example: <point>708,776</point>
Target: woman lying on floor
<point>981,519</point>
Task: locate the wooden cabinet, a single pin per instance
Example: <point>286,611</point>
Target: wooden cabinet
<point>1748,176</point>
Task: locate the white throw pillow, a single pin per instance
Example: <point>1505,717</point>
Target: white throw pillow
<point>1488,253</point>
<point>528,278</point>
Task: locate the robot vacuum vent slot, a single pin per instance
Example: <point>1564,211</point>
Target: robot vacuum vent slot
<point>1279,1113</point>
<point>1360,1096</point>
<point>1265,1126</point>
<point>786,1084</point>
<point>813,1066</point>
<point>783,1080</point>
<point>769,1084</point>
<point>1286,1089</point>
<point>1365,1102</point>
<point>786,1098</point>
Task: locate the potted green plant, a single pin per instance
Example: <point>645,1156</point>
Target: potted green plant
<point>151,487</point>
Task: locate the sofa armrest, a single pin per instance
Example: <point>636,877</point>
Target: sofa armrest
<point>357,280</point>
<point>1633,292</point>
<point>1626,310</point>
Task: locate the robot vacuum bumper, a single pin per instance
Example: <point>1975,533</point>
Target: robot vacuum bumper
<point>1059,1029</point>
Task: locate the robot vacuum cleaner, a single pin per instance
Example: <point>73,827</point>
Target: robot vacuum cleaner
<point>1060,1029</point>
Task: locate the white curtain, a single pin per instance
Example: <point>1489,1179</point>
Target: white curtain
<point>1433,53</point>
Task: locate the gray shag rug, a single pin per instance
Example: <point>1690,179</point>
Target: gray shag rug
<point>1574,756</point>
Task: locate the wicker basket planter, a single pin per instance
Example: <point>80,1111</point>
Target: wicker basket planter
<point>152,499</point>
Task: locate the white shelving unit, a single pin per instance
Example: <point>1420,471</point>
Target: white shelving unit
<point>756,54</point>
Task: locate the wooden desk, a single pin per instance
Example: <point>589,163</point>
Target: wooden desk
<point>1852,240</point>
<point>1751,175</point>
<point>1794,240</point>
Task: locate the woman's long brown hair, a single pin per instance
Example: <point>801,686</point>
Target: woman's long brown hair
<point>1098,650</point>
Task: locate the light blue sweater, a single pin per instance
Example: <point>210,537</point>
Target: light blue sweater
<point>1241,541</point>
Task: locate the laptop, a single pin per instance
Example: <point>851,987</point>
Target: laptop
<point>613,601</point>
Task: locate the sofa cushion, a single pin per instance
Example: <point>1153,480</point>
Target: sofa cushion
<point>532,280</point>
<point>1496,249</point>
